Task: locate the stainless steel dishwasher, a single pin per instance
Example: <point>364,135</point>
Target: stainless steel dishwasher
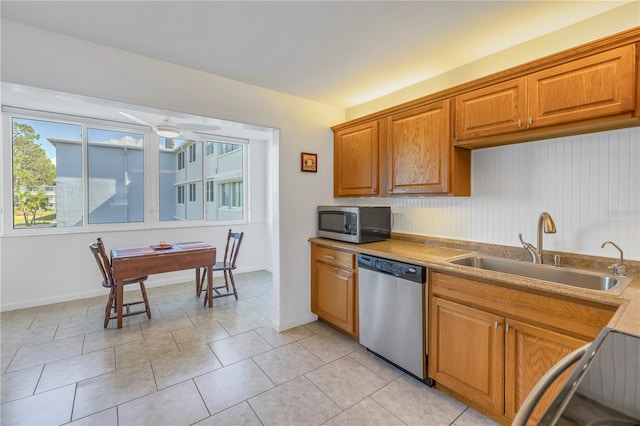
<point>393,312</point>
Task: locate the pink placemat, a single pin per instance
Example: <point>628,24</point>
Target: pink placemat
<point>133,251</point>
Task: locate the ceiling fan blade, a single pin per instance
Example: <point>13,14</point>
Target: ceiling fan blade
<point>136,119</point>
<point>187,134</point>
<point>196,127</point>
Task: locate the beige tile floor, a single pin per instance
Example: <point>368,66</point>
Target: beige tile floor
<point>191,365</point>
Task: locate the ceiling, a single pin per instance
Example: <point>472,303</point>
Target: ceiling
<point>341,53</point>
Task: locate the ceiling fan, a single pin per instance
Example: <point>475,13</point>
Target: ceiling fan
<point>170,130</point>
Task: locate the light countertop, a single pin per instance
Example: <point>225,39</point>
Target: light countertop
<point>426,253</point>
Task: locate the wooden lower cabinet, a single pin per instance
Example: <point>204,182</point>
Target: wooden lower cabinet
<point>530,352</point>
<point>334,295</point>
<point>490,344</point>
<point>469,355</point>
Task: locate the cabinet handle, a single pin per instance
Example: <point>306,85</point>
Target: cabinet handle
<point>496,325</point>
<point>530,120</point>
<point>328,256</point>
<point>506,328</point>
<point>519,123</point>
<point>343,277</point>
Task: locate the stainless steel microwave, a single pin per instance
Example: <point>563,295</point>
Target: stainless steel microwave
<point>355,224</point>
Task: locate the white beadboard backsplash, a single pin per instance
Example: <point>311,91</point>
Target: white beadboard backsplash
<point>590,184</point>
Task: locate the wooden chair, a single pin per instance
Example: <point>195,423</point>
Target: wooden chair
<point>227,266</point>
<point>104,264</point>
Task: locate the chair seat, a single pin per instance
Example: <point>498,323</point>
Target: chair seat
<point>219,266</point>
<point>126,281</point>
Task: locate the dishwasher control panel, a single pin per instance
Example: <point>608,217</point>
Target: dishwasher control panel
<point>402,270</point>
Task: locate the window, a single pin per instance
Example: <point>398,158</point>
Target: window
<point>49,181</point>
<point>116,176</point>
<point>181,194</point>
<point>192,192</point>
<point>210,191</point>
<point>181,160</point>
<point>80,172</point>
<point>213,165</point>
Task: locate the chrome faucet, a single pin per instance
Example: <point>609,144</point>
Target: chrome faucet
<point>546,224</point>
<point>618,268</point>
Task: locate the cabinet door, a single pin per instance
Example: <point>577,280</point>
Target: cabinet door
<point>418,150</point>
<point>529,353</point>
<point>335,296</point>
<point>499,108</point>
<point>597,86</point>
<point>355,163</point>
<point>466,352</point>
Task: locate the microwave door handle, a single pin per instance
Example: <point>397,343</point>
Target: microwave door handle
<point>543,384</point>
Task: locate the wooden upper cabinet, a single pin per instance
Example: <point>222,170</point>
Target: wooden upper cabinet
<point>407,152</point>
<point>499,108</point>
<point>418,144</point>
<point>596,92</point>
<point>355,164</point>
<point>595,86</point>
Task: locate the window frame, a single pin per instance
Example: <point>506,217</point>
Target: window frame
<point>151,177</point>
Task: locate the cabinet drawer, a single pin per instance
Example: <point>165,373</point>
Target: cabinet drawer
<point>334,257</point>
<point>578,317</point>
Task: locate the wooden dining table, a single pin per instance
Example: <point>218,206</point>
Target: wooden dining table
<point>132,262</point>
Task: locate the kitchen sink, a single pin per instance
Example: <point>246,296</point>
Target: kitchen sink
<point>561,275</point>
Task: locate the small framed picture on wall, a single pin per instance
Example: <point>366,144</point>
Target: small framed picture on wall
<point>308,162</point>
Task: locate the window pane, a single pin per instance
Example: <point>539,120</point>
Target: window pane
<point>47,173</point>
<point>176,173</point>
<point>228,167</point>
<point>204,170</point>
<point>116,176</point>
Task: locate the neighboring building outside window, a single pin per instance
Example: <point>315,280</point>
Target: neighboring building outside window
<point>116,176</point>
<point>216,163</point>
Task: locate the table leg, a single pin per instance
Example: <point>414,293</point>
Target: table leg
<point>198,282</point>
<point>210,285</point>
<point>119,299</point>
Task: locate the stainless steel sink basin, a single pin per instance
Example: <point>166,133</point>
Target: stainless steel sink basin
<point>562,275</point>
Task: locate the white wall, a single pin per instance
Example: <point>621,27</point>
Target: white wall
<point>39,58</point>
